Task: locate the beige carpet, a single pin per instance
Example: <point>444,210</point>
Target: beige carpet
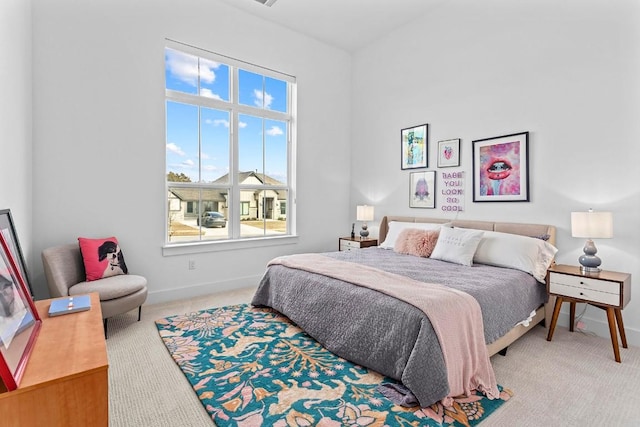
<point>571,381</point>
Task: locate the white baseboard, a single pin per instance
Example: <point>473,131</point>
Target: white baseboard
<point>196,290</point>
<point>596,322</point>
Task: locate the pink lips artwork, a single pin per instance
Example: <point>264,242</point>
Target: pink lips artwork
<point>497,172</point>
<point>499,169</point>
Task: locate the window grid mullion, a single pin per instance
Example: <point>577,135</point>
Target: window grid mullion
<point>234,202</point>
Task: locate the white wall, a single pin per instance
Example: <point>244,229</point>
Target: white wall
<point>15,118</point>
<point>568,72</point>
<point>99,141</point>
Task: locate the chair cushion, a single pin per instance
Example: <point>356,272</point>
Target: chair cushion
<point>111,287</point>
<point>102,258</point>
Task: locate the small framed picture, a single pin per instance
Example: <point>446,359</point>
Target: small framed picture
<point>19,320</point>
<point>415,147</point>
<point>422,189</point>
<point>8,230</point>
<point>449,153</point>
<point>501,168</point>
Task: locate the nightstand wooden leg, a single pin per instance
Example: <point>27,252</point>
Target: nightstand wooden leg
<point>623,336</point>
<point>572,315</point>
<point>613,332</point>
<point>554,318</point>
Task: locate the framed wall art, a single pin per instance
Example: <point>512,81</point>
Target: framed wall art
<point>449,153</point>
<point>8,230</point>
<point>422,189</point>
<point>501,168</point>
<point>19,320</point>
<point>414,142</point>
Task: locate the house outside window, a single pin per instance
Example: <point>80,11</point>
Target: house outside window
<point>229,148</point>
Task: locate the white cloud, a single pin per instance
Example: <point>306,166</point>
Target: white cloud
<point>182,66</point>
<point>260,97</point>
<point>207,74</point>
<point>185,67</point>
<point>275,131</point>
<point>206,92</point>
<point>186,165</point>
<point>204,156</point>
<point>224,122</point>
<point>175,149</point>
<point>278,175</point>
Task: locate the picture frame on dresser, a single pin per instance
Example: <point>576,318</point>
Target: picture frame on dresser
<point>8,230</point>
<point>19,320</point>
<point>501,168</point>
<point>414,143</point>
<point>422,189</point>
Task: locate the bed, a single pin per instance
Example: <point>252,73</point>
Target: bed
<point>391,335</point>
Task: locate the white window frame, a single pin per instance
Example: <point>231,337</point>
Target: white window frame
<point>235,241</point>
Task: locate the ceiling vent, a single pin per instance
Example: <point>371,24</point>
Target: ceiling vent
<point>267,2</point>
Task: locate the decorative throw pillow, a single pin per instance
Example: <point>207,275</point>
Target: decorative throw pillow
<point>396,227</point>
<point>524,253</point>
<point>416,242</point>
<point>102,258</point>
<point>457,245</point>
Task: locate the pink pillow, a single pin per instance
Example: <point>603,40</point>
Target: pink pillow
<point>416,242</point>
<point>102,258</point>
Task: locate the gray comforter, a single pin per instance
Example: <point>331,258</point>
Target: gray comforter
<point>388,335</point>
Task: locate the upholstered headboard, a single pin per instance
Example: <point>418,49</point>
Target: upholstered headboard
<point>503,227</point>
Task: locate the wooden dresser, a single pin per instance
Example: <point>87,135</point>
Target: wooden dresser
<point>65,382</point>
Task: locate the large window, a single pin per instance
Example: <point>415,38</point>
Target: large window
<point>229,146</point>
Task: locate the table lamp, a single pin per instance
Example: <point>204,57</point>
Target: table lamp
<point>364,213</point>
<point>591,225</point>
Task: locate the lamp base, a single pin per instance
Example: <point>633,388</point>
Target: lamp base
<point>589,270</point>
<point>589,262</point>
<point>364,233</point>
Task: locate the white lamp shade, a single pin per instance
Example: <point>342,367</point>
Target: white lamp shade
<point>592,225</point>
<point>364,213</point>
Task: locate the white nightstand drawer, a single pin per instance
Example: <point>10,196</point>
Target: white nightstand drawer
<point>584,294</point>
<point>586,283</point>
<point>347,245</point>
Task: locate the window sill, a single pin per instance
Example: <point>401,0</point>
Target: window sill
<point>226,245</point>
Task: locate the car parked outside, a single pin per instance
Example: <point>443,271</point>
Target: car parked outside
<point>212,219</point>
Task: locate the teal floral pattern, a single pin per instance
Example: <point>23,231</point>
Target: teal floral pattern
<point>253,367</point>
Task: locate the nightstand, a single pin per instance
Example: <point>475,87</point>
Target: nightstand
<point>608,290</point>
<point>351,243</point>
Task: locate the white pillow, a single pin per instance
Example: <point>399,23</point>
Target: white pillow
<point>528,254</point>
<point>457,245</point>
<point>396,227</point>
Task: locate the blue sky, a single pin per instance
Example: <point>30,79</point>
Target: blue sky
<point>255,134</point>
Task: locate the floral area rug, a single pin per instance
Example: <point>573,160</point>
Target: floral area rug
<point>253,367</point>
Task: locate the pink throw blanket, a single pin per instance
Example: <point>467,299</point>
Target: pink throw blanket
<point>454,315</point>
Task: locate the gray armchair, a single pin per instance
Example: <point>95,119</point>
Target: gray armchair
<point>64,270</point>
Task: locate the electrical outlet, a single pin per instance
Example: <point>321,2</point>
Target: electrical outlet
<point>192,264</point>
